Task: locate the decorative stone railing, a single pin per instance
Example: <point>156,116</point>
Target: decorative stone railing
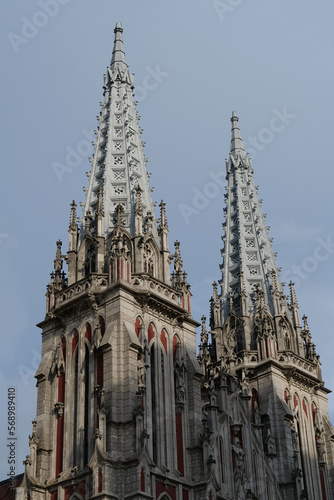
<point>146,284</point>
<point>94,283</point>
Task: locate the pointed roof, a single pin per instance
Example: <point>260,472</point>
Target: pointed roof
<point>118,54</point>
<point>247,251</point>
<point>237,145</point>
<point>118,163</point>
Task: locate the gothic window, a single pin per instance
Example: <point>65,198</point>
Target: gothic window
<point>138,326</point>
<point>86,405</point>
<point>60,415</point>
<point>148,260</point>
<point>90,262</point>
<point>221,456</point>
<point>154,404</point>
<point>305,408</point>
<point>75,368</point>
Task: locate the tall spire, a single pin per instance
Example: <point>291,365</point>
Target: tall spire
<point>118,163</point>
<point>247,247</point>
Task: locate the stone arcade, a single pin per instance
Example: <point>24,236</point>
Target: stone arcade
<point>126,409</point>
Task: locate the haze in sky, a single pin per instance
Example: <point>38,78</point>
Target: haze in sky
<point>194,63</point>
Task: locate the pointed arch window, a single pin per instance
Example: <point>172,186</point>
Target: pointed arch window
<point>75,368</point>
<point>61,418</point>
<point>86,404</point>
<point>90,262</point>
<point>153,404</point>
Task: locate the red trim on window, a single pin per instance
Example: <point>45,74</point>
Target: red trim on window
<point>210,496</point>
<point>188,301</point>
<point>99,487</point>
<point>111,271</point>
<point>179,443</point>
<point>150,332</point>
<point>295,401</point>
<point>323,486</point>
<point>163,339</point>
<point>142,480</point>
<point>160,488</point>
<point>122,268</point>
<point>127,272</point>
<point>137,326</point>
<point>182,301</point>
<point>54,495</point>
<point>117,269</point>
<point>185,495</point>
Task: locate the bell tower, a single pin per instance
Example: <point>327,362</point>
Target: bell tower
<point>119,381</point>
<point>259,342</point>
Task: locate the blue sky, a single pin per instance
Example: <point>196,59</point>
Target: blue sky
<point>206,59</point>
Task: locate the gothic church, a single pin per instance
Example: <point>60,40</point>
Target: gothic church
<point>127,409</point>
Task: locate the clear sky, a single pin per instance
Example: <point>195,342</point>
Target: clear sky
<point>195,61</point>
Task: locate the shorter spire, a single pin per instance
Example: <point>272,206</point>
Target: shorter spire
<point>237,145</point>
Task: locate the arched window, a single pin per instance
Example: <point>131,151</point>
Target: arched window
<point>153,403</point>
<point>86,403</point>
<point>61,409</point>
<point>75,369</point>
<point>90,262</point>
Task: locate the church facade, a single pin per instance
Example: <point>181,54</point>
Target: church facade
<point>126,407</point>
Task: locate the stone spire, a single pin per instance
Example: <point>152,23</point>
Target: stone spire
<point>247,248</point>
<point>118,163</point>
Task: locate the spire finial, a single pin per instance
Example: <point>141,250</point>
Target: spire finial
<point>118,54</point>
<point>237,145</point>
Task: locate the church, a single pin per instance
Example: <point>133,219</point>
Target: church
<point>128,408</point>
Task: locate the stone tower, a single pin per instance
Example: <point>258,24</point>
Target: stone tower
<point>118,410</point>
<point>125,409</point>
<point>279,420</point>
